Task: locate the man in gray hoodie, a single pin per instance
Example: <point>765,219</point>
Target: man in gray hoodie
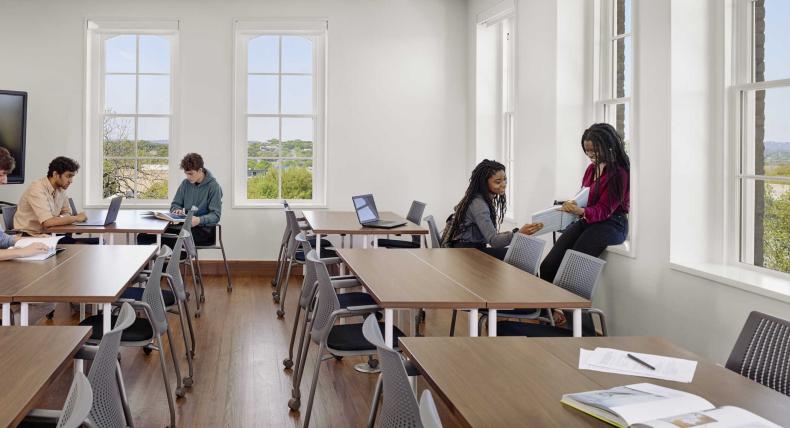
<point>200,190</point>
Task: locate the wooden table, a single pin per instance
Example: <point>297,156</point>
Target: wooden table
<point>128,221</point>
<point>325,222</point>
<point>519,381</point>
<point>18,274</point>
<point>96,274</point>
<point>457,278</point>
<point>32,357</point>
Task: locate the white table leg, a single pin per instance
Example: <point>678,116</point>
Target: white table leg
<point>107,312</point>
<point>101,239</point>
<point>6,314</point>
<point>577,323</point>
<point>111,239</point>
<point>375,241</point>
<point>82,311</point>
<point>388,330</point>
<point>158,240</point>
<point>317,245</point>
<point>364,241</point>
<point>473,322</point>
<point>413,322</point>
<point>23,314</point>
<point>492,322</point>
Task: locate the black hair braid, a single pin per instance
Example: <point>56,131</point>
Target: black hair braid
<point>478,185</point>
<point>610,151</point>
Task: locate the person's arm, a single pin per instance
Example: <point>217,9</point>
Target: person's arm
<point>214,206</point>
<point>40,204</point>
<point>482,218</point>
<point>6,240</point>
<point>63,220</point>
<point>66,208</point>
<point>30,250</point>
<point>608,202</point>
<point>178,199</point>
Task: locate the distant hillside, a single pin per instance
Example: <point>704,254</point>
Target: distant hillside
<point>777,152</point>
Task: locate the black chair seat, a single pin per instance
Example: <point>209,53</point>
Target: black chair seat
<point>325,254</point>
<point>397,243</point>
<point>349,337</point>
<point>136,293</point>
<point>524,311</point>
<point>515,328</point>
<point>139,331</point>
<point>355,298</point>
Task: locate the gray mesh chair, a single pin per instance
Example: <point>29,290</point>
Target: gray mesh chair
<point>761,352</point>
<point>191,260</point>
<point>307,298</point>
<point>9,211</point>
<point>283,248</point>
<point>578,273</point>
<point>217,245</point>
<point>433,230</point>
<point>428,413</point>
<point>400,408</point>
<point>414,216</point>
<point>180,306</point>
<point>147,332</point>
<point>75,409</point>
<point>336,340</point>
<point>524,253</point>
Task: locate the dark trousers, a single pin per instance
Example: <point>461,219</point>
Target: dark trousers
<point>202,235</point>
<point>587,238</point>
<point>68,239</point>
<point>491,251</point>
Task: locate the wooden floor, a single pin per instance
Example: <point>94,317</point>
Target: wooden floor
<point>239,377</point>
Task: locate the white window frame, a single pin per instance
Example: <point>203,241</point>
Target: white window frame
<point>740,80</point>
<point>604,69</point>
<point>244,31</point>
<point>96,31</point>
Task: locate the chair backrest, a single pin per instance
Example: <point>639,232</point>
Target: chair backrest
<point>189,243</point>
<point>579,273</point>
<point>415,212</point>
<point>399,407</point>
<point>152,295</point>
<point>525,252</point>
<point>293,227</point>
<point>310,278</point>
<point>107,408</point>
<point>9,212</point>
<point>327,299</point>
<point>428,413</point>
<point>761,352</point>
<point>173,268</point>
<point>434,232</point>
<point>78,403</point>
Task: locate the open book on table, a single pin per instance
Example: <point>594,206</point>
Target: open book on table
<point>647,405</point>
<point>554,219</point>
<point>51,242</point>
<point>164,215</point>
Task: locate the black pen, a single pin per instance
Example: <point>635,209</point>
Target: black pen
<point>641,362</point>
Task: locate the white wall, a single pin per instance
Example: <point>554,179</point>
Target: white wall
<point>396,96</point>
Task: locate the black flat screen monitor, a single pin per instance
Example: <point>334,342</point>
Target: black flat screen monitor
<point>13,115</point>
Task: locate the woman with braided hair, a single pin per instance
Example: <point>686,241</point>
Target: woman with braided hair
<point>477,217</point>
<point>604,221</point>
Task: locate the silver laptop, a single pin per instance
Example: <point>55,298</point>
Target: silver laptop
<point>96,219</point>
<point>368,215</point>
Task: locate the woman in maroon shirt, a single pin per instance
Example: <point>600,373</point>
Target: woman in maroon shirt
<point>604,221</point>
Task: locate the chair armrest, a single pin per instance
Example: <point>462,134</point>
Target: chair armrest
<point>43,417</point>
<point>364,309</point>
<point>346,283</point>
<point>86,352</point>
<point>170,235</point>
<point>601,318</point>
<point>331,260</point>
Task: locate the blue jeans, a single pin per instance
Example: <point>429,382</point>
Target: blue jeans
<point>587,238</point>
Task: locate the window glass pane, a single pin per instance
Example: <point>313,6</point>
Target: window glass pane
<point>622,64</point>
<point>153,135</point>
<point>297,94</point>
<point>262,179</point>
<point>767,132</point>
<point>618,115</point>
<point>297,55</point>
<point>622,16</point>
<point>297,179</point>
<point>119,94</point>
<point>120,53</point>
<point>297,137</point>
<point>154,54</point>
<point>262,95</point>
<point>152,179</point>
<point>263,55</point>
<point>154,95</point>
<point>765,227</point>
<point>118,136</point>
<point>118,178</point>
<point>771,40</point>
<point>263,137</point>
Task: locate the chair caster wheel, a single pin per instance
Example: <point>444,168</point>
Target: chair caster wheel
<point>188,382</point>
<point>275,293</point>
<point>288,363</point>
<point>274,283</point>
<point>147,350</point>
<point>294,403</point>
<point>202,299</point>
<point>230,289</point>
<point>373,363</point>
<point>51,315</point>
<point>277,299</point>
<point>280,313</point>
<point>180,393</point>
<point>338,357</point>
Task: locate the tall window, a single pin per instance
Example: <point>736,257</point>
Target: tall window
<point>762,92</point>
<point>130,111</point>
<point>279,112</point>
<point>615,59</point>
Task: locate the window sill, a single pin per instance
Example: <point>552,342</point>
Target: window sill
<point>774,286</point>
<point>130,206</point>
<point>626,249</point>
<point>279,205</point>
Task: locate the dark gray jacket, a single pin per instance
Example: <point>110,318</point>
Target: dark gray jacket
<point>477,227</point>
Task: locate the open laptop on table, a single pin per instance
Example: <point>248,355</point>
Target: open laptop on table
<point>95,219</point>
<point>368,215</point>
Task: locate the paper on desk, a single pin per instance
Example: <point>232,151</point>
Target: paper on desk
<point>50,242</point>
<point>616,361</point>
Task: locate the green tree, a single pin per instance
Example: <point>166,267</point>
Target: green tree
<point>263,186</point>
<point>777,231</point>
<point>297,183</point>
<point>157,190</point>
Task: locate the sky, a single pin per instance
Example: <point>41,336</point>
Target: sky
<point>777,66</point>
